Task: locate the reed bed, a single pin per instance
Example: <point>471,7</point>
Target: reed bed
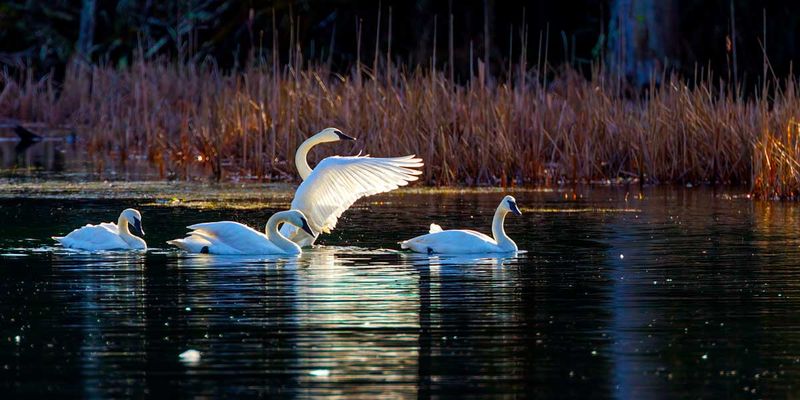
<point>185,118</point>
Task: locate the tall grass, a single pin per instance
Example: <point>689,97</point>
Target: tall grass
<point>247,124</point>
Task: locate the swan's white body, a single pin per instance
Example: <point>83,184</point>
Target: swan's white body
<point>107,235</point>
<point>233,238</point>
<point>337,182</point>
<point>461,241</point>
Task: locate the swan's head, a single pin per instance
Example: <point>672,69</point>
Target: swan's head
<point>298,219</point>
<point>134,219</point>
<point>332,135</point>
<point>510,204</point>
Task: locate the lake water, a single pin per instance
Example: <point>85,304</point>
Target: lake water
<point>671,293</point>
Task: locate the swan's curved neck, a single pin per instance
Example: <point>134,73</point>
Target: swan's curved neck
<point>499,232</point>
<point>275,236</point>
<point>301,156</point>
<point>124,232</point>
<point>122,225</point>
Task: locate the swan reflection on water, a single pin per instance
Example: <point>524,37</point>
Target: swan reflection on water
<point>92,260</point>
<point>190,260</point>
<point>497,260</point>
<point>351,314</point>
<point>331,315</point>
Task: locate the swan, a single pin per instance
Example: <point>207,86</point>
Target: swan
<point>466,241</point>
<point>107,235</point>
<point>337,182</point>
<point>227,237</point>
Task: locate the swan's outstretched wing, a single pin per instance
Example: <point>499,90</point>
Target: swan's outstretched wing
<point>233,235</point>
<point>337,182</point>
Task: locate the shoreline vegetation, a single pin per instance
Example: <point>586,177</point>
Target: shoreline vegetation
<point>537,126</point>
<point>196,190</point>
<point>258,195</point>
<point>194,194</point>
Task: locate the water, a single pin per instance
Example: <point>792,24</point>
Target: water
<point>621,294</point>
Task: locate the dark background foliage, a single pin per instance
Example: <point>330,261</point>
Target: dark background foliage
<point>46,34</point>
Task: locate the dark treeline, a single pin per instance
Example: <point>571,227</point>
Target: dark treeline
<point>231,87</point>
<point>676,34</point>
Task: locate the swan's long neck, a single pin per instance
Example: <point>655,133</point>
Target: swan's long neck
<point>301,156</point>
<point>499,232</point>
<point>275,236</point>
<point>124,232</point>
<point>122,225</point>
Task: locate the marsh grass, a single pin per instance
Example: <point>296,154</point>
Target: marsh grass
<point>184,118</point>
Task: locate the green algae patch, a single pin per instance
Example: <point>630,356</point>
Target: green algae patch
<point>230,204</point>
<point>587,210</point>
<point>168,192</point>
<point>474,190</point>
<point>198,195</point>
<point>159,193</point>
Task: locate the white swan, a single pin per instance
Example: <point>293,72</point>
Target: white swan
<point>337,182</point>
<point>459,241</point>
<point>107,235</point>
<point>227,237</point>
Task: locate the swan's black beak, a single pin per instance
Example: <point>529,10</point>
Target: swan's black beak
<point>136,227</point>
<point>514,209</point>
<point>307,228</point>
<point>342,136</point>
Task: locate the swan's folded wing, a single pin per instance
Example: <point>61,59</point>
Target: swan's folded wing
<point>232,234</point>
<point>103,236</point>
<point>337,182</point>
<point>435,228</point>
<point>110,226</point>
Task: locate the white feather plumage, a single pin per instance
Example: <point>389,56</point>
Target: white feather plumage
<point>337,182</point>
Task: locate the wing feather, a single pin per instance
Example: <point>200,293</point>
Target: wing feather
<point>337,182</point>
<point>99,237</point>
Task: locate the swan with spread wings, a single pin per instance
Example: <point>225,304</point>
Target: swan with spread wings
<point>338,181</point>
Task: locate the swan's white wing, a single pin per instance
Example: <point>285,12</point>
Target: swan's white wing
<point>337,182</point>
<point>435,228</point>
<point>236,236</point>
<point>110,226</point>
<point>95,237</point>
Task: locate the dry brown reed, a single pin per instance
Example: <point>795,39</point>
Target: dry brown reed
<point>247,124</point>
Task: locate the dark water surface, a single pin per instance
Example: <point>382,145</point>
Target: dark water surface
<point>681,293</point>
